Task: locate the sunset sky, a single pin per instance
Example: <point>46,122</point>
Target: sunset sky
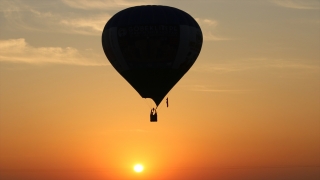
<point>248,109</point>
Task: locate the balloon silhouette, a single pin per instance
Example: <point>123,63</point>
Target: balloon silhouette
<point>152,47</point>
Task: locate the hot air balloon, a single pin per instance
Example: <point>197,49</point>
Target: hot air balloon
<point>152,47</point>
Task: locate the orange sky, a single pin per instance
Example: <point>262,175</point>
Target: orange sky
<point>247,109</point>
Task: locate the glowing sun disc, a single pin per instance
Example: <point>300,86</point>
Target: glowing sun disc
<point>138,168</point>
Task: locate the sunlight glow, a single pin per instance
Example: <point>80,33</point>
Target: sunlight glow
<point>138,168</point>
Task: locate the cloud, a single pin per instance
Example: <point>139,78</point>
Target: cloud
<point>298,4</point>
<point>19,15</point>
<point>19,51</point>
<point>207,27</point>
<point>126,130</point>
<point>105,4</point>
<point>255,63</point>
<point>206,88</point>
<point>89,25</point>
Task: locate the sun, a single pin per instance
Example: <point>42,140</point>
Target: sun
<point>138,168</point>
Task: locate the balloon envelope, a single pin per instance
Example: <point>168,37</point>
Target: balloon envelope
<point>152,47</point>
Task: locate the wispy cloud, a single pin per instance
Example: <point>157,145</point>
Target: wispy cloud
<point>105,4</point>
<point>18,50</point>
<point>88,25</point>
<point>207,27</point>
<point>298,4</point>
<point>22,16</point>
<point>208,88</point>
<point>127,131</point>
<point>255,63</point>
